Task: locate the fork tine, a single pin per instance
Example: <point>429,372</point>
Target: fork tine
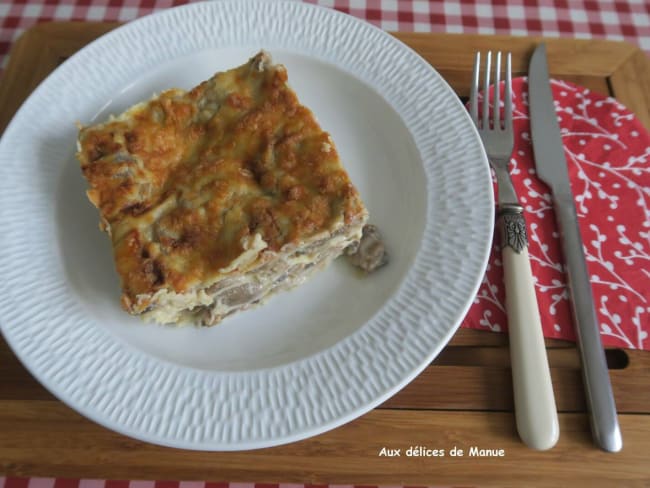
<point>497,98</point>
<point>508,95</point>
<point>486,93</point>
<point>473,92</point>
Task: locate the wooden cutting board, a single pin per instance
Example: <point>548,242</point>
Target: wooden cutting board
<point>462,400</point>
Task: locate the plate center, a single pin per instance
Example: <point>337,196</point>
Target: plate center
<point>383,162</point>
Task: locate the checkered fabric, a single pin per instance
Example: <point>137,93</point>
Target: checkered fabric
<point>627,20</point>
<point>91,483</point>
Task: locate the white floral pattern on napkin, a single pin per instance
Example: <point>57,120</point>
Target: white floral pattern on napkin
<point>608,156</point>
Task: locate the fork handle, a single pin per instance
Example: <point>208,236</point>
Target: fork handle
<point>535,411</point>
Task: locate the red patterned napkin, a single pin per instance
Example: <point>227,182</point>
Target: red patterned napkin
<point>608,156</point>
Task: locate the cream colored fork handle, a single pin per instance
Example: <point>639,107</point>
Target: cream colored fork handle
<point>535,410</point>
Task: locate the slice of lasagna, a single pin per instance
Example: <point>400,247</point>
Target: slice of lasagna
<point>218,197</point>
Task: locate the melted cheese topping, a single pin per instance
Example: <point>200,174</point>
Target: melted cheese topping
<point>194,186</point>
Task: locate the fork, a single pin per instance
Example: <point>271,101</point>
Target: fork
<point>535,411</point>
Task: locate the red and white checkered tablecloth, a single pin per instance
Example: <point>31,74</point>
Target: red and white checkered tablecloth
<point>627,20</point>
<point>15,482</point>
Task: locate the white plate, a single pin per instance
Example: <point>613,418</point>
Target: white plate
<point>313,358</point>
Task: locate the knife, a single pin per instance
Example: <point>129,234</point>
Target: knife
<point>551,167</point>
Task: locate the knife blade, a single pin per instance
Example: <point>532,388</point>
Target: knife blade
<point>551,167</point>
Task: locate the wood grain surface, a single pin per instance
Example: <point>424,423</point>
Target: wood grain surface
<point>462,399</point>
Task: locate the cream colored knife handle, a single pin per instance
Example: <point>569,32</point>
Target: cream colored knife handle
<point>535,411</point>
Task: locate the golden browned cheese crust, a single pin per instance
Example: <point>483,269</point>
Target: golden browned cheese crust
<point>185,181</point>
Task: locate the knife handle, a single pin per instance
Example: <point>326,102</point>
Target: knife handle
<point>535,411</point>
<point>598,389</point>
